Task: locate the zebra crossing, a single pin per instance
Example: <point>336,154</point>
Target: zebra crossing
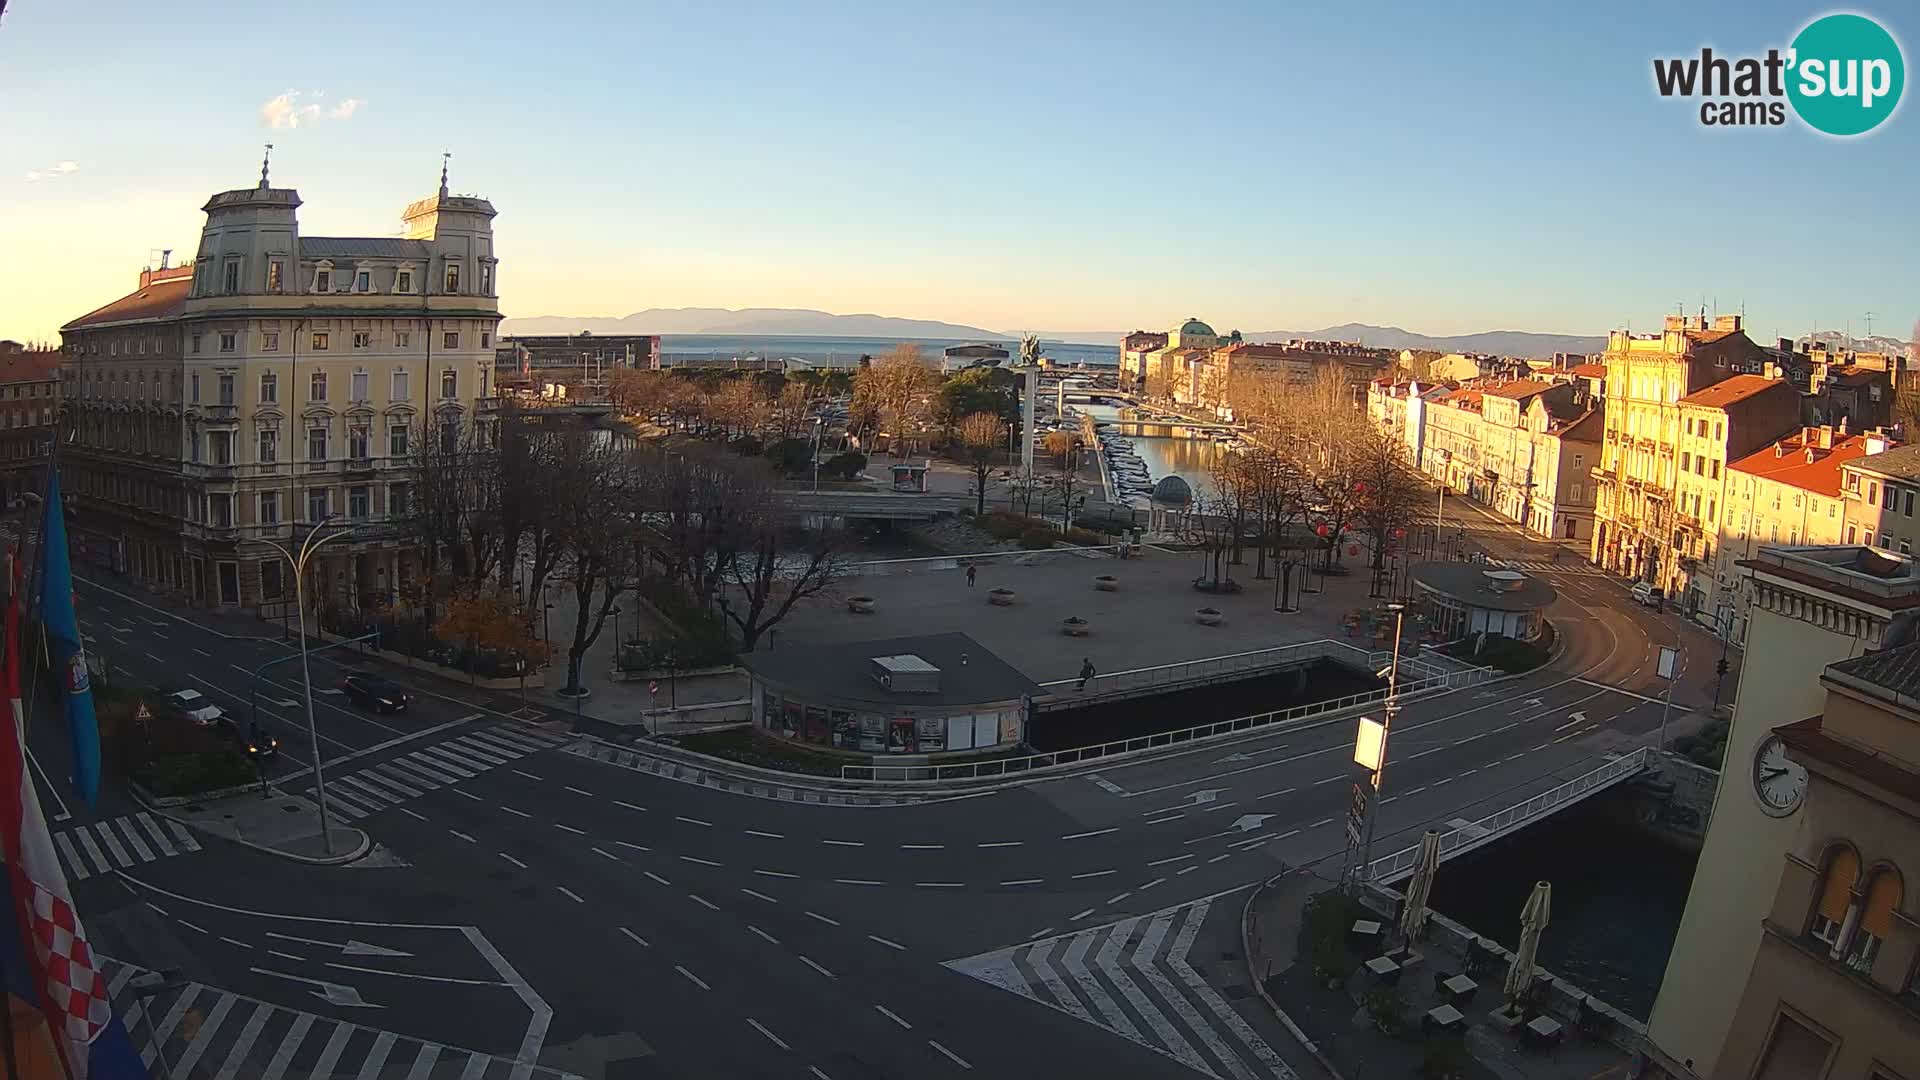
<point>208,1032</point>
<point>391,782</point>
<point>101,847</point>
<point>1133,978</point>
<point>1570,567</point>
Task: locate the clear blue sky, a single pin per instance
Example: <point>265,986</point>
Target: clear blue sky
<point>1010,165</point>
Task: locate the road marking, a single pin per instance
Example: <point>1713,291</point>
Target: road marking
<point>513,860</point>
<point>1119,898</point>
<point>1515,757</point>
<point>951,1056</point>
<point>1217,858</point>
<point>656,878</point>
<point>1469,772</point>
<point>1328,780</point>
<point>569,828</point>
<point>923,847</point>
<point>691,977</point>
<point>192,926</point>
<point>1024,881</point>
<point>203,652</point>
<point>1187,871</point>
<point>629,806</point>
<point>1498,730</point>
<point>466,794</point>
<point>1289,832</point>
<point>775,873</point>
<point>760,896</point>
<point>235,941</point>
<point>1093,832</point>
<point>581,791</point>
<point>1542,746</point>
<point>1415,791</point>
<point>815,966</point>
<point>1000,843</point>
<point>771,1037</point>
<point>845,843</point>
<point>939,884</point>
<point>511,810</point>
<point>856,881</point>
<point>817,1074</point>
<point>636,938</point>
<point>1093,874</point>
<point>1274,794</point>
<point>636,847</point>
<point>1219,806</point>
<point>1468,739</point>
<point>1443,780</point>
<point>767,835</point>
<point>528,775</point>
<point>889,944</point>
<point>158,908</point>
<point>605,854</point>
<point>694,821</point>
<point>823,918</point>
<point>1424,753</point>
<point>1082,915</point>
<point>1176,858</point>
<point>1150,884</point>
<point>570,894</point>
<point>893,1016</point>
<point>1043,932</point>
<point>1322,821</point>
<point>703,901</point>
<point>1164,820</point>
<point>287,956</point>
<point>694,859</point>
<point>762,935</point>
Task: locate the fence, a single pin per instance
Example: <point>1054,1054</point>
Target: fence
<point>882,567</point>
<point>1138,681</point>
<point>1032,763</point>
<point>1475,834</point>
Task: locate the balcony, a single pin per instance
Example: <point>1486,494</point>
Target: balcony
<point>208,471</point>
<point>359,467</point>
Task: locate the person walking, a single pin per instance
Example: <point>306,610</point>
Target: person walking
<point>1086,672</point>
<point>971,571</point>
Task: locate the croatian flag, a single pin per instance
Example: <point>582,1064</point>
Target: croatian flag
<point>48,946</point>
<point>69,655</point>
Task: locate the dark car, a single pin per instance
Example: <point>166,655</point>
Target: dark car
<point>249,737</point>
<point>372,690</point>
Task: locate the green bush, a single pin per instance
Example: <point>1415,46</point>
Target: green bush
<point>1085,537</point>
<point>1110,524</point>
<point>1006,525</point>
<point>845,466</point>
<point>746,445</point>
<point>791,455</point>
<point>1037,539</point>
<point>191,774</point>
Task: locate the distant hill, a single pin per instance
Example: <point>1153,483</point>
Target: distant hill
<point>770,322</point>
<point>1879,343</point>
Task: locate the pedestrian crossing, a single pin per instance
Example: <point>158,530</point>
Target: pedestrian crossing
<point>211,1033</point>
<point>101,847</point>
<point>1133,978</point>
<point>1569,566</point>
<point>397,780</point>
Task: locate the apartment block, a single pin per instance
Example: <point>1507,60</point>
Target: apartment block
<point>1879,495</point>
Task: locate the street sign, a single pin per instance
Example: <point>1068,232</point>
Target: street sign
<point>1357,804</point>
<point>1370,743</point>
<point>1669,665</point>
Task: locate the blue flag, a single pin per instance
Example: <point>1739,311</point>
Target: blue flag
<point>69,656</point>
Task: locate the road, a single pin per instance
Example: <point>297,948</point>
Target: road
<point>532,902</point>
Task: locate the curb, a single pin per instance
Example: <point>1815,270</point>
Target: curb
<point>1246,952</point>
<point>359,851</point>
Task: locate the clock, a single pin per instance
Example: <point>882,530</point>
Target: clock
<point>1779,782</point>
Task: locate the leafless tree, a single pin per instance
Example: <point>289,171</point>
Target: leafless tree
<point>594,493</point>
<point>981,436</point>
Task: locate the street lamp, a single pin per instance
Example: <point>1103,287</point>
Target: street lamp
<point>312,544</point>
<point>1378,752</point>
<point>146,986</point>
<point>817,421</point>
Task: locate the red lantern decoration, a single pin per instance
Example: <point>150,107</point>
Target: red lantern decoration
<point>1353,549</point>
<point>1321,529</point>
<point>1399,534</point>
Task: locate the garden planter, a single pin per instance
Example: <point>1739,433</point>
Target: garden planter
<point>1074,626</point>
<point>1207,616</point>
<point>860,605</point>
<point>1001,597</point>
<point>1106,583</point>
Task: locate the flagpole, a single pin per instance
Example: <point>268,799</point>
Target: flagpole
<point>27,606</point>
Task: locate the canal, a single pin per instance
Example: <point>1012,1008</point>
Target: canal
<point>1618,894</point>
<point>1166,449</point>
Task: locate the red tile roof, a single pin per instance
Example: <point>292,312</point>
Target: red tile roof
<point>1730,390</point>
<point>160,298</point>
<point>1591,371</point>
<point>40,365</point>
<point>1519,389</point>
<point>1821,476</point>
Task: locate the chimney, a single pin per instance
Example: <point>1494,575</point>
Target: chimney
<point>166,256</point>
<point>1779,450</point>
<point>1876,443</point>
<point>1843,426</point>
<point>1727,322</point>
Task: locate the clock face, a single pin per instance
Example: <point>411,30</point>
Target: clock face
<point>1779,781</point>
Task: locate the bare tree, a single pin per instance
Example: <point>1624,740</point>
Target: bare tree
<point>1235,482</point>
<point>455,496</point>
<point>594,493</point>
<point>1208,526</point>
<point>981,436</point>
<point>1388,494</point>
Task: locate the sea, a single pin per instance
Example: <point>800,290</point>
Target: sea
<point>847,351</point>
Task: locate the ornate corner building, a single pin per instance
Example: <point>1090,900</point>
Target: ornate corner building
<point>278,381</point>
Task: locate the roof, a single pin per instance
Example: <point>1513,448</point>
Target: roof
<point>969,674</point>
<point>1467,583</point>
<point>1195,326</point>
<point>1900,462</point>
<point>41,365</point>
<point>1586,428</point>
<point>158,299</point>
<point>1731,390</point>
<point>1591,371</point>
<point>1896,670</point>
<point>1518,389</point>
<point>1858,376</point>
<point>1807,740</point>
<point>366,247</point>
<point>1821,476</point>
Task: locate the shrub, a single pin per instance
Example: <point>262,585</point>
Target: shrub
<point>845,466</point>
<point>747,445</point>
<point>193,773</point>
<point>1006,525</point>
<point>1037,539</point>
<point>791,455</point>
<point>1085,537</point>
<point>1324,923</point>
<point>1110,524</point>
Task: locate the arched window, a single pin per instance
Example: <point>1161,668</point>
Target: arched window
<point>1830,915</point>
<point>1879,901</point>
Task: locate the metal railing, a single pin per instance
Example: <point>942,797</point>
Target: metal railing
<point>1057,759</point>
<point>1475,834</point>
<point>1136,681</point>
<point>917,564</point>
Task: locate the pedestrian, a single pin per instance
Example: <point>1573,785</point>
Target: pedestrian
<point>972,570</point>
<point>1086,672</point>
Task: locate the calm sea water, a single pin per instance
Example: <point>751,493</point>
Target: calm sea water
<point>846,352</point>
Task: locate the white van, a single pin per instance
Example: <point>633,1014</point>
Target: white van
<point>1649,595</point>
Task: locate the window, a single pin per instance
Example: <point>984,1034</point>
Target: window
<point>403,282</point>
<point>486,340</point>
<point>358,447</point>
<point>449,384</point>
<point>1907,507</point>
<point>449,436</point>
<point>320,341</point>
<point>401,391</point>
<point>1709,511</point>
<point>1853,481</point>
<point>231,283</point>
<point>1890,495</point>
<point>1719,427</point>
<point>399,501</point>
<point>359,502</point>
<point>357,387</point>
<point>316,504</point>
<point>450,339</point>
<point>193,343</point>
<point>1852,535</point>
<point>362,281</point>
<point>1873,491</point>
<point>274,267</point>
<point>1686,461</point>
<point>193,383</point>
<point>1878,903</point>
<point>317,444</point>
<point>362,339</point>
<point>1716,470</point>
<point>1793,1052</point>
<point>220,447</point>
<point>269,388</point>
<point>269,445</point>
<point>453,278</point>
<point>226,387</point>
<point>220,511</point>
<point>272,585</point>
<point>227,340</point>
<point>270,341</point>
<point>1886,540</point>
<point>402,339</point>
<point>269,515</point>
<point>397,441</point>
<point>486,279</point>
<point>317,386</point>
<point>323,281</point>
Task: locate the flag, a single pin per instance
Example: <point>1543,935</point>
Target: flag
<point>48,940</point>
<point>69,655</point>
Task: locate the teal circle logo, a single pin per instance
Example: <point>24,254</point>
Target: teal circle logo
<point>1846,74</point>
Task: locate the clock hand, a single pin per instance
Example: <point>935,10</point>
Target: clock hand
<point>1766,774</point>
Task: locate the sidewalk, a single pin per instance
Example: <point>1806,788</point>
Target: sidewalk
<point>281,824</point>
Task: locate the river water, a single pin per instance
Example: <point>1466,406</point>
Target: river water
<point>1164,452</point>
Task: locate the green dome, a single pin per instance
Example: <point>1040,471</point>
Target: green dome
<point>1195,328</point>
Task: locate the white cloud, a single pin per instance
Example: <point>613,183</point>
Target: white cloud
<point>53,172</point>
<point>295,108</point>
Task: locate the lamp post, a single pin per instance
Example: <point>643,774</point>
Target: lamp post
<point>312,544</point>
<point>817,421</point>
<point>1391,710</point>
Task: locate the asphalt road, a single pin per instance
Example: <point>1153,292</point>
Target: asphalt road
<point>528,902</point>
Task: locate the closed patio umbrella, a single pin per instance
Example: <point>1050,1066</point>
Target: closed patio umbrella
<point>1413,915</point>
<point>1533,922</point>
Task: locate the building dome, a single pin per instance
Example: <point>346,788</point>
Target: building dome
<point>1172,491</point>
<point>1195,328</point>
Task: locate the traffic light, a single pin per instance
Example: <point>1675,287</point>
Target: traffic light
<point>1721,667</point>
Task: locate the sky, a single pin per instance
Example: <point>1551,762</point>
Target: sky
<point>1025,165</point>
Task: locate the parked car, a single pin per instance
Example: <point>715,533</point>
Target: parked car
<point>371,690</point>
<point>1649,595</point>
<point>195,706</point>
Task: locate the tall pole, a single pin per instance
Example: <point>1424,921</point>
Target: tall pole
<point>1386,732</point>
<point>306,676</point>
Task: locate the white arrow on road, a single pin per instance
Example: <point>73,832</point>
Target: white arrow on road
<point>351,948</point>
<point>330,691</point>
<point>1233,757</point>
<point>1202,798</point>
<point>1578,717</point>
<point>331,992</point>
<point>285,703</point>
<point>1248,822</point>
<point>1532,702</point>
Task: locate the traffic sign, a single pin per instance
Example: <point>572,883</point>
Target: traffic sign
<point>142,714</point>
<point>1357,810</point>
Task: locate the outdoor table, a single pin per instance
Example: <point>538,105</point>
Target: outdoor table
<point>1460,988</point>
<point>1366,931</point>
<point>1444,1018</point>
<point>1544,1030</point>
<point>1386,967</point>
